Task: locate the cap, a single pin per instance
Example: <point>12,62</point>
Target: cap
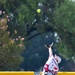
<point>59,59</point>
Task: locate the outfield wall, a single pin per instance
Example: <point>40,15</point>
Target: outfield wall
<point>66,73</point>
<point>31,73</point>
<point>17,73</point>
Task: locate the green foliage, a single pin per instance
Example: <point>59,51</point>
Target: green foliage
<point>64,50</point>
<point>61,19</point>
<point>64,17</point>
<point>3,1</point>
<point>25,14</point>
<point>10,49</point>
<point>33,4</point>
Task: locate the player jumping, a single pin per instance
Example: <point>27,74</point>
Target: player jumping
<point>51,66</point>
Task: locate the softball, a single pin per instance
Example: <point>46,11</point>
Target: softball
<point>38,10</point>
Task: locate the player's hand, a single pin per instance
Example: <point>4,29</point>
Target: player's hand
<point>46,46</point>
<point>49,45</point>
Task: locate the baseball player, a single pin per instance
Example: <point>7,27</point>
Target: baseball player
<point>51,66</point>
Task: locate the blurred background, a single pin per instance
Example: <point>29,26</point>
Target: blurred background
<point>27,25</point>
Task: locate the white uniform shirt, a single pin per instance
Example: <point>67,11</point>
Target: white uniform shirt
<point>53,64</point>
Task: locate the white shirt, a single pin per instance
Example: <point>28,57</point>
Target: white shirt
<point>53,64</point>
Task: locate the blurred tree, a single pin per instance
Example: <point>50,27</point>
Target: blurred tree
<point>56,15</point>
<point>10,49</point>
<point>64,17</point>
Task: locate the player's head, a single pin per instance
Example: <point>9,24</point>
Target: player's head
<point>57,58</point>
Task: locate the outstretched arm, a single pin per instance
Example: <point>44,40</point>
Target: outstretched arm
<point>50,49</point>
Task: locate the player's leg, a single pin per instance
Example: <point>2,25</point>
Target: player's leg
<point>44,72</point>
<point>49,73</point>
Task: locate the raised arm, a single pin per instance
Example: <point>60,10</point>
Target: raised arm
<point>50,49</point>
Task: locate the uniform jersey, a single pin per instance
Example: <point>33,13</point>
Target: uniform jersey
<point>52,65</point>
